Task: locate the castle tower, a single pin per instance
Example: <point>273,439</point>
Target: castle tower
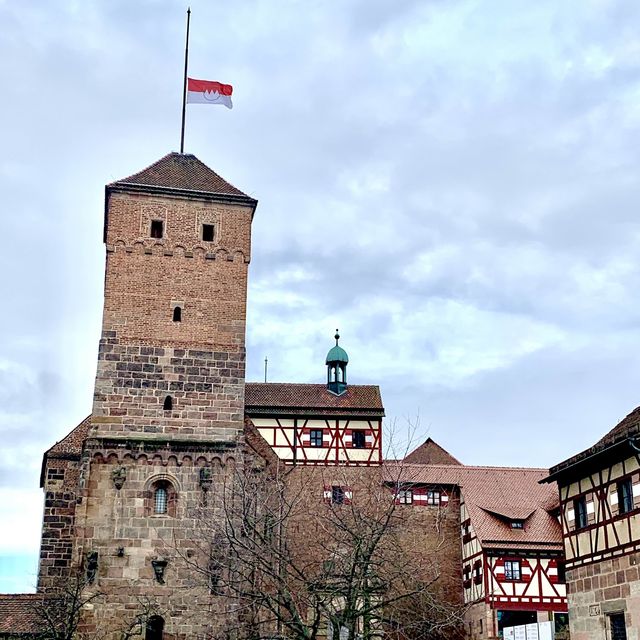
<point>172,352</point>
<point>168,408</point>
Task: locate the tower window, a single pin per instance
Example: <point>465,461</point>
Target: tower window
<point>177,314</point>
<point>208,232</point>
<point>315,439</point>
<point>580,509</point>
<point>160,500</point>
<point>167,404</point>
<point>358,440</point>
<point>157,228</point>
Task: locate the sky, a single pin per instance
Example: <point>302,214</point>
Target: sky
<point>451,183</point>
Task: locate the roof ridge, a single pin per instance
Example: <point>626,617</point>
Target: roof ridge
<point>468,466</point>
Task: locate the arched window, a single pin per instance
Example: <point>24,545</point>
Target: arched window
<point>160,499</point>
<point>168,404</point>
<point>177,314</point>
<point>155,628</point>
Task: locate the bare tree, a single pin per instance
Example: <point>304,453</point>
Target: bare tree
<point>312,552</point>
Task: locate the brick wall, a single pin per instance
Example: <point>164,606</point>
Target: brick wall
<point>144,355</point>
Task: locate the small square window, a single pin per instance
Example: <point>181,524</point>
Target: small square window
<point>358,439</point>
<point>337,495</point>
<point>433,498</point>
<point>405,496</point>
<point>315,437</point>
<point>208,232</point>
<point>157,228</point>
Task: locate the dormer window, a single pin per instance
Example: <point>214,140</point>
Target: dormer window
<point>157,229</point>
<point>208,232</point>
<point>517,524</point>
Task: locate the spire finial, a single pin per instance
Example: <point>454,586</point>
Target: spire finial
<point>337,337</point>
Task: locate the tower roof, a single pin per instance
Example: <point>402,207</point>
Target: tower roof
<point>337,353</point>
<point>181,172</point>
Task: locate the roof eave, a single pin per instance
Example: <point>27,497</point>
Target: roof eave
<point>573,466</point>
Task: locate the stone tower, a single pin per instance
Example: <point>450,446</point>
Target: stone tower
<point>168,406</point>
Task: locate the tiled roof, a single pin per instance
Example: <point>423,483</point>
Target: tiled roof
<point>495,496</point>
<point>626,428</point>
<point>265,397</point>
<point>72,442</point>
<point>19,613</point>
<point>184,172</point>
<point>430,452</point>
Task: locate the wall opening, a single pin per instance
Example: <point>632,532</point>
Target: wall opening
<point>168,403</point>
<point>155,628</point>
<point>208,232</point>
<point>157,228</point>
<point>177,314</point>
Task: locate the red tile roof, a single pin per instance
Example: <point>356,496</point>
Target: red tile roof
<point>72,442</point>
<point>19,613</point>
<point>177,171</point>
<point>430,452</point>
<point>269,397</point>
<point>495,496</point>
<point>628,427</point>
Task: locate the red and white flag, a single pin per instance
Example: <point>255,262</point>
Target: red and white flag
<point>209,92</point>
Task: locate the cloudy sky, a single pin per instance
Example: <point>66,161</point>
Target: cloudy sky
<point>454,184</point>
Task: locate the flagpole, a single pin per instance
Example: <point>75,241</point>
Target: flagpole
<point>184,87</point>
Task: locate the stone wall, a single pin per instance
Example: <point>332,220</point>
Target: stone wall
<point>121,527</point>
<point>600,589</point>
<point>60,483</point>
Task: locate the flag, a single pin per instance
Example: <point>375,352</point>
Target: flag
<point>208,92</point>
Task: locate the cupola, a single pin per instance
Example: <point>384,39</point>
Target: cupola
<point>337,360</point>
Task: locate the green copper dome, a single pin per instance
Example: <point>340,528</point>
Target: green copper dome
<point>337,353</point>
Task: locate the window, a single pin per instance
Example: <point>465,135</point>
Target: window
<point>562,573</point>
<point>155,628</point>
<point>160,500</point>
<point>625,496</point>
<point>517,524</point>
<point>337,495</point>
<point>207,232</point>
<point>617,626</point>
<point>156,228</point>
<point>405,496</point>
<point>358,439</point>
<point>315,437</point>
<point>167,404</point>
<point>477,572</point>
<point>433,498</point>
<point>481,626</point>
<point>177,314</point>
<point>580,510</point>
<point>512,570</point>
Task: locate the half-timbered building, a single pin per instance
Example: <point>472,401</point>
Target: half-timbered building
<point>512,560</point>
<point>319,424</point>
<point>599,492</point>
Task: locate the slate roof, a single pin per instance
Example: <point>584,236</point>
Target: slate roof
<point>430,452</point>
<point>184,172</point>
<point>495,496</point>
<point>286,398</point>
<point>628,427</point>
<point>19,613</point>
